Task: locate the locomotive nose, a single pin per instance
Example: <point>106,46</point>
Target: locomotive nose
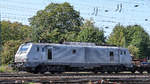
<point>21,55</point>
<point>21,58</point>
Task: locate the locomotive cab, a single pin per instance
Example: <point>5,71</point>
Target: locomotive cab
<point>30,55</point>
<point>22,53</point>
<point>21,56</point>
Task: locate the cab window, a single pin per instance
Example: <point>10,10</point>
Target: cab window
<point>24,48</point>
<point>49,54</point>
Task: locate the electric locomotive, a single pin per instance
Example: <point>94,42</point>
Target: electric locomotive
<point>72,57</point>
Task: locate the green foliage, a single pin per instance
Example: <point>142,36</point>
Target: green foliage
<point>131,35</point>
<point>90,33</point>
<point>57,22</point>
<point>70,36</point>
<point>6,68</point>
<point>14,31</point>
<point>50,37</point>
<point>9,50</point>
<point>134,51</point>
<point>60,22</point>
<point>13,34</point>
<point>139,38</point>
<point>55,17</point>
<point>117,37</point>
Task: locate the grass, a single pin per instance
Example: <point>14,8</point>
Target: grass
<point>5,68</point>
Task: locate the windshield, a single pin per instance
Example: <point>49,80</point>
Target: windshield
<point>24,48</point>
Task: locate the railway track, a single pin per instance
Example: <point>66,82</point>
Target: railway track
<point>75,78</point>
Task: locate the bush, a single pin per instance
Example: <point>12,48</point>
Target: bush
<point>9,50</point>
<point>6,68</point>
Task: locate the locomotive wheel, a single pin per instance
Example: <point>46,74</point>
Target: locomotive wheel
<point>53,72</point>
<point>102,71</point>
<point>35,72</point>
<point>95,72</point>
<point>42,72</point>
<point>148,71</point>
<point>59,72</point>
<point>43,69</point>
<point>133,71</point>
<point>109,72</point>
<point>116,71</point>
<point>39,69</point>
<point>141,71</point>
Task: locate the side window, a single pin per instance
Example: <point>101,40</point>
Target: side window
<point>111,53</point>
<point>121,52</point>
<point>73,51</point>
<point>49,54</point>
<point>42,49</point>
<point>124,52</point>
<point>38,49</point>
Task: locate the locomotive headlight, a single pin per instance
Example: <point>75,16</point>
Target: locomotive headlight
<point>26,59</point>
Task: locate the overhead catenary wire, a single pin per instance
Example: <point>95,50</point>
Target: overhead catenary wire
<point>100,12</point>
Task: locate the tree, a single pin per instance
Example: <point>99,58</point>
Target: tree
<point>9,50</point>
<point>50,37</point>
<point>117,37</point>
<point>14,31</point>
<point>139,38</point>
<point>61,17</point>
<point>90,33</point>
<point>134,51</point>
<point>131,36</point>
<point>13,34</point>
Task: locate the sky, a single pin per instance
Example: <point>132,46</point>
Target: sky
<point>105,13</point>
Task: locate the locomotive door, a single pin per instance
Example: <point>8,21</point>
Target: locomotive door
<point>111,55</point>
<point>119,55</point>
<point>49,53</point>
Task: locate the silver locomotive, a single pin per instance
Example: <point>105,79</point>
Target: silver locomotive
<point>72,57</point>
